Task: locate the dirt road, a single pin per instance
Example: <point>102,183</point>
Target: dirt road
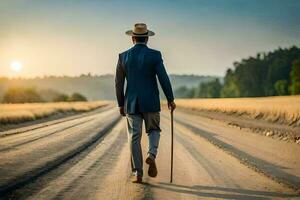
<point>88,158</point>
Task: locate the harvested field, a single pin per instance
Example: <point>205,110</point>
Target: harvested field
<point>283,110</point>
<point>16,113</point>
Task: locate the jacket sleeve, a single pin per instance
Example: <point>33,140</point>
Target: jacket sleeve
<point>119,83</point>
<point>164,79</point>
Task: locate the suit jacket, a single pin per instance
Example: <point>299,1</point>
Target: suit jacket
<point>140,66</point>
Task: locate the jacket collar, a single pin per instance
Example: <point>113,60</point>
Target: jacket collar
<point>140,44</point>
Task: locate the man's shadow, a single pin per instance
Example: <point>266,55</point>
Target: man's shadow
<point>214,191</point>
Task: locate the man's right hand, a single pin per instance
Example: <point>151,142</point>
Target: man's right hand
<point>122,112</point>
<point>171,106</point>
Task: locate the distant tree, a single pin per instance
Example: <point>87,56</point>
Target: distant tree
<point>281,87</point>
<point>21,95</point>
<point>261,75</point>
<point>249,76</point>
<point>210,89</point>
<point>230,87</point>
<point>278,69</point>
<point>192,92</point>
<point>77,97</point>
<point>61,98</point>
<point>48,94</point>
<point>295,78</point>
<point>183,92</point>
<point>86,75</point>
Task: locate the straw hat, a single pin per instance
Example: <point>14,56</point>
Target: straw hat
<point>140,30</point>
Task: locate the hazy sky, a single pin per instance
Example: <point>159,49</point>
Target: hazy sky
<point>204,37</point>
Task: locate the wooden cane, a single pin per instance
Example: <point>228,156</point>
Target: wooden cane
<point>172,134</point>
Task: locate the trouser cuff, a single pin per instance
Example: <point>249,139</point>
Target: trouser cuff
<point>151,155</point>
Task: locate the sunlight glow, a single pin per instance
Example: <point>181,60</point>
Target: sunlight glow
<point>16,66</point>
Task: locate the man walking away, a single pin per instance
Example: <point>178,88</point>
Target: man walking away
<point>140,66</point>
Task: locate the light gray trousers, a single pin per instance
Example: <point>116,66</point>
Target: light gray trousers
<point>134,130</point>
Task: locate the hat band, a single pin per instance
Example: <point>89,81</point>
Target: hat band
<point>140,33</point>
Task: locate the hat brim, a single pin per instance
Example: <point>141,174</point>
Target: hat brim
<point>131,33</point>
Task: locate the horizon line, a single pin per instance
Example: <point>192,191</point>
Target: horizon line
<point>90,75</point>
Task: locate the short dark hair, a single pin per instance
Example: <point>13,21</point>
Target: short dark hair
<point>141,39</point>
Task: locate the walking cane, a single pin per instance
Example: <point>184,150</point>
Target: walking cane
<point>172,134</point>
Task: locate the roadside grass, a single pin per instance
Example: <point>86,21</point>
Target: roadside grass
<point>281,109</point>
<point>17,113</point>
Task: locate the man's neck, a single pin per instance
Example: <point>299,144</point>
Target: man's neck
<point>144,43</point>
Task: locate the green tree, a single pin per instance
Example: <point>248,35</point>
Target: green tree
<point>77,97</point>
<point>61,98</point>
<point>230,87</point>
<point>48,95</point>
<point>279,64</point>
<point>21,95</point>
<point>295,78</point>
<point>258,76</point>
<point>184,92</point>
<point>249,76</point>
<point>210,89</point>
<point>281,87</point>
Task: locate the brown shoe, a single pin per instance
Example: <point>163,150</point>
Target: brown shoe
<point>152,171</point>
<point>136,179</point>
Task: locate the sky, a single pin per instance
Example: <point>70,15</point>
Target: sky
<point>203,37</point>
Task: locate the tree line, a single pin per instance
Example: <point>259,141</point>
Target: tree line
<point>93,87</point>
<point>32,95</point>
<point>267,74</point>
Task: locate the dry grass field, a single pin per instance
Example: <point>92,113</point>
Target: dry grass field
<point>284,109</point>
<point>16,113</point>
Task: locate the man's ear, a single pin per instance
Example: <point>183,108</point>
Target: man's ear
<point>133,40</point>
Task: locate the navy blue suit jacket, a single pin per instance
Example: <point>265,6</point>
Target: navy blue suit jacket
<point>140,66</point>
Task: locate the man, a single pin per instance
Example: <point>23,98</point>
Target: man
<point>140,66</point>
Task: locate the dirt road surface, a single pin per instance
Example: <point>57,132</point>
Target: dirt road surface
<point>88,158</point>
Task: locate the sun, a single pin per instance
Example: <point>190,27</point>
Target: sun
<point>16,65</point>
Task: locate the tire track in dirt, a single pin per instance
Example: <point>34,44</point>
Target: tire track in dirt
<point>257,164</point>
<point>12,141</point>
<point>222,177</point>
<point>35,139</point>
<point>101,173</point>
<point>217,175</point>
<point>25,178</point>
<point>82,178</point>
